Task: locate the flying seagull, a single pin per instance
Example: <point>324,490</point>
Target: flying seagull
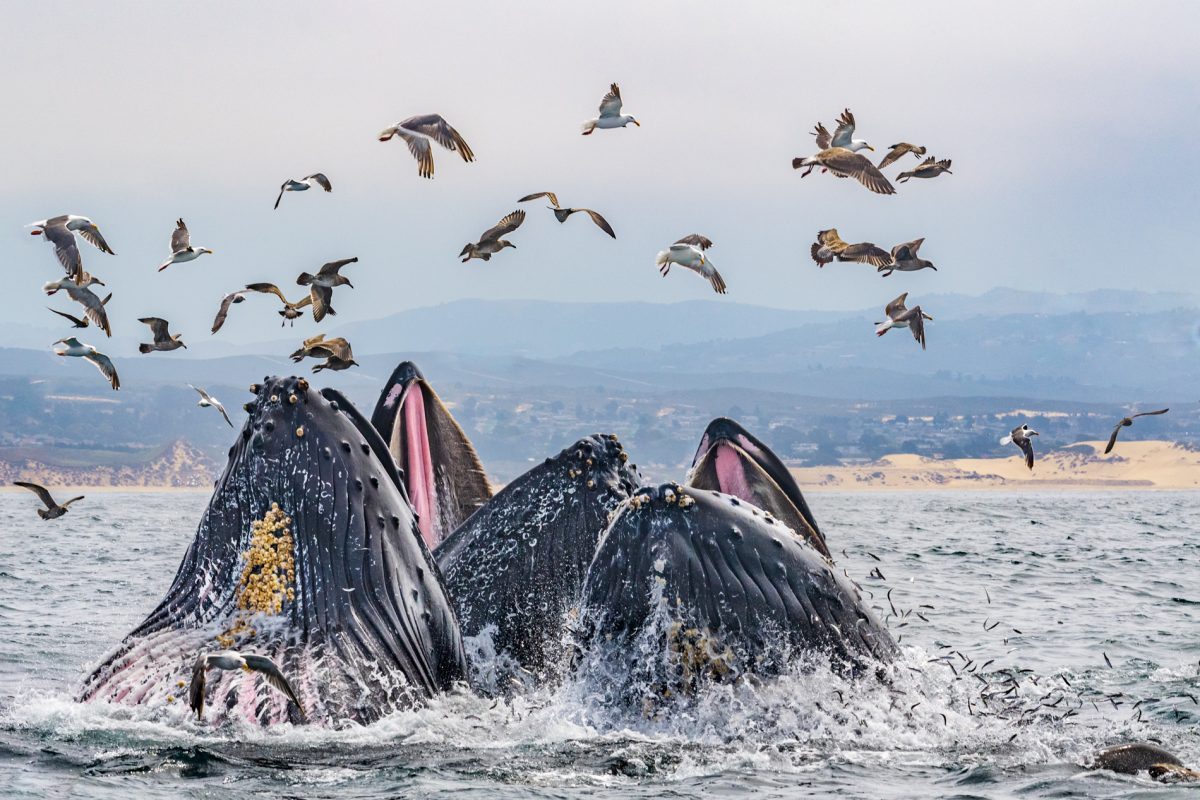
<point>610,113</point>
<point>52,510</point>
<point>77,349</point>
<point>688,252</point>
<point>1126,422</point>
<point>336,352</point>
<point>59,232</point>
<point>163,340</point>
<point>829,246</point>
<point>900,317</point>
<point>492,242</point>
<point>904,258</point>
<point>304,184</point>
<point>1020,437</point>
<point>181,247</point>
<point>290,311</point>
<point>926,169</point>
<point>839,154</point>
<point>899,151</point>
<point>231,660</point>
<point>416,133</point>
<point>77,322</point>
<point>563,214</point>
<point>208,401</point>
<point>321,286</point>
<point>222,312</point>
<point>93,306</point>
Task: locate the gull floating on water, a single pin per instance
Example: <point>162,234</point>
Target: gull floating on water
<point>492,240</point>
<point>77,322</point>
<point>904,258</point>
<point>59,232</point>
<point>222,312</point>
<point>610,113</point>
<point>181,247</point>
<point>688,253</point>
<point>336,352</point>
<point>900,317</point>
<point>416,133</point>
<point>829,246</point>
<point>899,151</point>
<point>77,349</point>
<point>93,306</point>
<point>926,169</point>
<point>1126,422</point>
<point>563,214</point>
<point>290,311</point>
<point>232,660</point>
<point>1020,437</point>
<point>208,401</point>
<point>837,154</point>
<point>52,510</point>
<point>163,340</point>
<point>304,184</point>
<point>321,286</point>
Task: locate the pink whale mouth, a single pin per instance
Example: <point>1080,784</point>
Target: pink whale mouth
<point>418,477</point>
<point>731,473</point>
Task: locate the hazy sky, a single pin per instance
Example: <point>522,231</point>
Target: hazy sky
<point>1072,127</point>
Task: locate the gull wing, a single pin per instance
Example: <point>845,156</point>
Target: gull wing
<point>321,298</point>
<point>1149,413</point>
<point>222,312</point>
<point>93,308</point>
<point>40,491</point>
<point>180,238</point>
<point>610,104</point>
<point>158,327</point>
<point>331,268</point>
<point>504,227</point>
<point>842,161</point>
<point>421,151</point>
<point>105,365</point>
<point>824,140</point>
<point>196,687</point>
<point>65,249</point>
<point>269,670</point>
<point>1026,446</point>
<point>696,240</point>
<point>90,232</point>
<point>844,132</point>
<point>865,253</point>
<point>435,127</point>
<point>1112,440</point>
<point>896,306</point>
<point>321,180</point>
<point>600,221</point>
<point>551,196</point>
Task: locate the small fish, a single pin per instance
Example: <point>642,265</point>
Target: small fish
<point>1106,661</point>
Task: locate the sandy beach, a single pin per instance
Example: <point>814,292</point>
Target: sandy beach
<point>1147,465</point>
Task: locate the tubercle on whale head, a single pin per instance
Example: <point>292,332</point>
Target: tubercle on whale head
<point>599,462</point>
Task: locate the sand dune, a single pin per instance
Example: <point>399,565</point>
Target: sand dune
<point>1132,465</point>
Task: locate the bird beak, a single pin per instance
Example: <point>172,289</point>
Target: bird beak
<point>635,122</point>
<point>872,149</point>
<point>351,285</point>
<point>37,232</point>
<point>1032,433</point>
<point>102,283</point>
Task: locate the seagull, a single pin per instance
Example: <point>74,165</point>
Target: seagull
<point>222,312</point>
<point>93,307</point>
<point>336,352</point>
<point>610,113</point>
<point>926,169</point>
<point>181,247</point>
<point>1020,437</point>
<point>899,151</point>
<point>230,659</point>
<point>904,258</point>
<point>839,154</point>
<point>52,510</point>
<point>563,214</point>
<point>416,133</point>
<point>208,401</point>
<point>163,340</point>
<point>1126,422</point>
<point>491,241</point>
<point>76,322</point>
<point>304,184</point>
<point>59,232</point>
<point>900,317</point>
<point>78,349</point>
<point>321,286</point>
<point>829,246</point>
<point>688,252</point>
<point>290,311</point>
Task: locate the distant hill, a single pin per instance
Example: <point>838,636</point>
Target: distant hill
<point>177,465</point>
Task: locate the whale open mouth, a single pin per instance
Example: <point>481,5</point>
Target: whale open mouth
<point>441,471</point>
<point>732,461</point>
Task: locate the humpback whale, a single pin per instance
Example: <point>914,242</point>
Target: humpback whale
<point>308,554</point>
<point>730,460</point>
<point>517,565</point>
<point>689,584</point>
<point>444,477</point>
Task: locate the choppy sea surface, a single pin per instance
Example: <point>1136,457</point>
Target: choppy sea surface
<point>1005,604</point>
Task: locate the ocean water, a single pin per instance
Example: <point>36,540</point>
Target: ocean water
<point>1024,595</point>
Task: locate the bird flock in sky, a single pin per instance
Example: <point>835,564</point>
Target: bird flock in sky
<point>839,154</point>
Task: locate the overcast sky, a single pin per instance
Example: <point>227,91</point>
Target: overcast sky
<point>1072,126</point>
